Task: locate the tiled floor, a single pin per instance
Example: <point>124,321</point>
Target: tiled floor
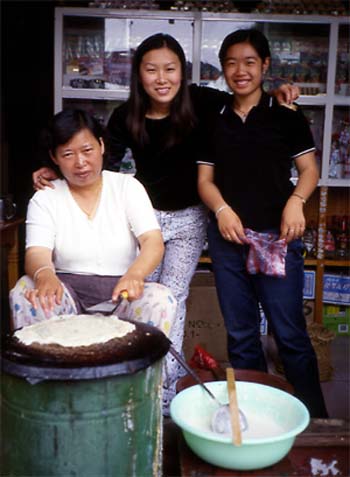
<point>336,393</point>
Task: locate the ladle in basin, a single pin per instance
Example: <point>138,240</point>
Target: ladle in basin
<point>221,419</point>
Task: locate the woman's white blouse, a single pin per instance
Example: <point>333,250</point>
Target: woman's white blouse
<point>105,245</point>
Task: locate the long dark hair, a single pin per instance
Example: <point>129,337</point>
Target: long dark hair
<point>181,112</point>
<point>252,36</point>
<point>63,126</point>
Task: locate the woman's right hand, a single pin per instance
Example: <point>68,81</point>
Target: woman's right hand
<point>47,293</point>
<point>42,178</point>
<point>132,283</point>
<point>231,227</point>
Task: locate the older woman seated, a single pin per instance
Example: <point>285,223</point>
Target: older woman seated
<point>90,237</point>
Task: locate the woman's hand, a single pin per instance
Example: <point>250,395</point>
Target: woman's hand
<point>230,226</point>
<point>42,178</point>
<point>47,293</point>
<point>293,220</point>
<point>287,93</point>
<point>133,283</point>
<point>150,255</point>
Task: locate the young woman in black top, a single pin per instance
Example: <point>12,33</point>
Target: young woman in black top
<point>257,218</point>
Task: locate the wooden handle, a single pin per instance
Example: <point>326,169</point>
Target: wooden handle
<point>124,294</point>
<point>234,413</point>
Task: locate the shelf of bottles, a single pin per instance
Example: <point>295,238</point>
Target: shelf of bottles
<point>342,80</point>
<point>339,165</point>
<point>336,241</point>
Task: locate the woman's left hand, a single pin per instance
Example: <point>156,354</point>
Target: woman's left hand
<point>287,93</point>
<point>132,283</point>
<point>293,221</point>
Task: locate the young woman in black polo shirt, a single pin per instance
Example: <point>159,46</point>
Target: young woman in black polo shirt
<point>245,181</point>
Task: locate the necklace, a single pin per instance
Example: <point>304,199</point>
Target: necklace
<point>90,213</point>
<point>242,114</point>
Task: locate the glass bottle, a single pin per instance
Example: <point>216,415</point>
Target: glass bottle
<point>342,239</point>
<point>329,242</point>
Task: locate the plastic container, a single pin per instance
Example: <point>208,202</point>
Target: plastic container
<point>274,420</point>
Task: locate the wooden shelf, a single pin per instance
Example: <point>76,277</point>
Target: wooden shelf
<point>336,263</point>
<point>310,262</point>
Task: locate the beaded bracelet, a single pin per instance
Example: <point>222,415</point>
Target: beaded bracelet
<point>40,269</point>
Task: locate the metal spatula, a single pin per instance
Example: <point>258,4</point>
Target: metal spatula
<point>107,307</point>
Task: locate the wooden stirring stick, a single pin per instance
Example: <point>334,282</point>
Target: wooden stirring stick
<point>234,413</point>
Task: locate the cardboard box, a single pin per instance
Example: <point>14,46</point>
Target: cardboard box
<point>337,319</point>
<point>340,327</point>
<point>336,289</point>
<point>205,324</point>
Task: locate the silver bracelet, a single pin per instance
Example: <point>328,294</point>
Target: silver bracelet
<point>220,209</point>
<point>40,269</point>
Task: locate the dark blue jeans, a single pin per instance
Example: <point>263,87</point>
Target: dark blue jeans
<point>282,301</point>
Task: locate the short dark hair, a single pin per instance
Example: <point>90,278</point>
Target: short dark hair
<point>64,125</point>
<point>252,36</point>
<point>181,110</point>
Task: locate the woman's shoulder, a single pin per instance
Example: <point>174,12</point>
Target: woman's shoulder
<point>208,99</point>
<point>208,92</point>
<point>119,178</point>
<point>49,197</point>
<point>59,187</point>
<point>287,110</point>
<point>291,121</point>
<point>122,184</point>
<point>120,110</point>
<point>118,116</point>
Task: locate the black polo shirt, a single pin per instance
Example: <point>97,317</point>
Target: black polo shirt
<point>253,159</point>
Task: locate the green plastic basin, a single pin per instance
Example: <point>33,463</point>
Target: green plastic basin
<point>274,417</point>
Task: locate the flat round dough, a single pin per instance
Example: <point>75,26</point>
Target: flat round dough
<point>75,330</point>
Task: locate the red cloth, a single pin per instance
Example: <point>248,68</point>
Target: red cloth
<point>266,253</point>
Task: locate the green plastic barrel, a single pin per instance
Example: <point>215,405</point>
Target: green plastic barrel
<point>94,421</point>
